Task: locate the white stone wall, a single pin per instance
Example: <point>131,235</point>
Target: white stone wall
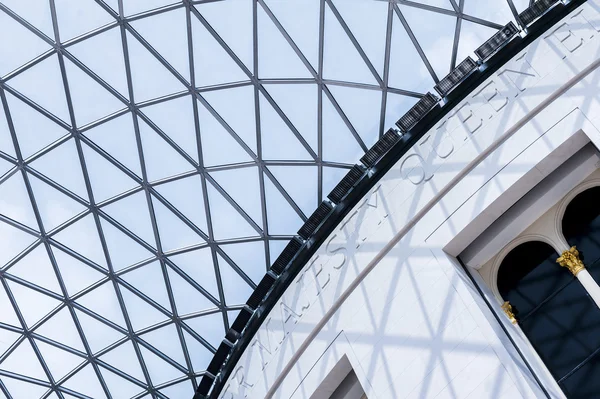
<point>384,290</point>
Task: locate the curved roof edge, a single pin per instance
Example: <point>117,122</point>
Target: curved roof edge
<point>276,282</point>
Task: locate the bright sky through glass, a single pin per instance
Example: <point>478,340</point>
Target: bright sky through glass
<point>156,157</point>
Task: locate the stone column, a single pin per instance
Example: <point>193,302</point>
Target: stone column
<point>570,260</point>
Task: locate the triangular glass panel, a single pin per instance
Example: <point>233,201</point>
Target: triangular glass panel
<point>496,11</point>
<point>278,141</point>
<point>176,119</point>
<point>276,247</point>
<point>183,389</point>
<point>118,386</point>
<point>301,21</point>
<point>124,358</point>
<point>61,328</point>
<point>407,69</point>
<point>75,274</point>
<point>62,165</point>
<point>59,362</point>
<point>437,3</point>
<point>86,382</point>
<point>21,389</point>
<point>435,37</point>
<point>6,144</point>
<point>90,100</point>
<point>342,61</point>
<point>146,68</point>
<point>227,221</point>
<point>282,218</point>
<point>472,35</point>
<point>5,166</point>
<point>199,266</point>
<point>248,256</point>
<point>236,290</point>
<point>7,339</point>
<point>79,18</point>
<point>299,103</point>
<point>276,57</point>
<point>24,361</point>
<point>35,267</point>
<point>103,54</point>
<point>210,327</point>
<point>43,84</point>
<point>15,203</point>
<point>247,195</point>
<point>186,195</point>
<point>236,107</point>
<point>159,370</point>
<point>137,6</point>
<point>117,137</point>
<point>132,212</point>
<point>141,313</point>
<point>339,145</point>
<point>212,64</point>
<point>222,15</point>
<point>150,281</point>
<point>160,158</point>
<point>32,304</point>
<point>103,301</point>
<point>199,354</point>
<point>34,131</point>
<point>82,237</point>
<point>367,21</point>
<point>166,340</point>
<point>164,29</point>
<point>187,298</point>
<point>362,107</point>
<point>124,251</point>
<point>36,12</point>
<point>218,146</point>
<point>7,312</point>
<point>14,243</point>
<point>396,106</point>
<point>331,177</point>
<point>173,232</point>
<point>106,179</point>
<point>305,194</point>
<point>16,53</point>
<point>97,334</point>
<point>55,207</point>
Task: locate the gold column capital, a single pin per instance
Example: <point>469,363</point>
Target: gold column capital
<point>508,310</point>
<point>570,260</point>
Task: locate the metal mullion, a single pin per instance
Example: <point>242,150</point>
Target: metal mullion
<point>280,81</point>
<point>15,344</point>
<point>456,35</point>
<point>154,11</point>
<point>320,101</point>
<point>144,297</point>
<point>5,391</point>
<point>354,41</point>
<point>28,65</point>
<point>200,338</point>
<point>25,378</point>
<point>130,330</point>
<point>56,186</point>
<point>31,286</point>
<point>515,13</point>
<point>242,240</point>
<point>342,115</point>
<point>158,353</point>
<point>27,25</point>
<point>68,223</point>
<point>231,166</point>
<point>235,267</point>
<point>178,214</point>
<point>35,106</point>
<point>386,68</point>
<point>175,178</point>
<point>118,197</point>
<point>59,345</point>
<point>192,282</point>
<point>481,21</point>
<point>90,34</point>
<point>168,97</point>
<point>19,226</point>
<point>104,119</point>
<point>108,157</point>
<point>286,195</point>
<point>415,42</point>
<point>232,85</point>
<point>121,374</point>
<point>12,170</point>
<point>405,92</point>
<point>190,248</point>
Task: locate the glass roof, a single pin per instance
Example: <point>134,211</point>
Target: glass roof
<point>156,157</point>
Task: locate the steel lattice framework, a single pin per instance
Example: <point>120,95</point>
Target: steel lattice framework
<point>156,157</point>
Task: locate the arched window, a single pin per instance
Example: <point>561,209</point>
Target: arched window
<point>560,320</point>
<point>581,227</point>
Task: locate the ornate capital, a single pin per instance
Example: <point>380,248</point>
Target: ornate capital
<point>570,260</point>
<point>508,310</point>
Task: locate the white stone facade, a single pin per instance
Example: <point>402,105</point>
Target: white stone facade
<point>385,293</point>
